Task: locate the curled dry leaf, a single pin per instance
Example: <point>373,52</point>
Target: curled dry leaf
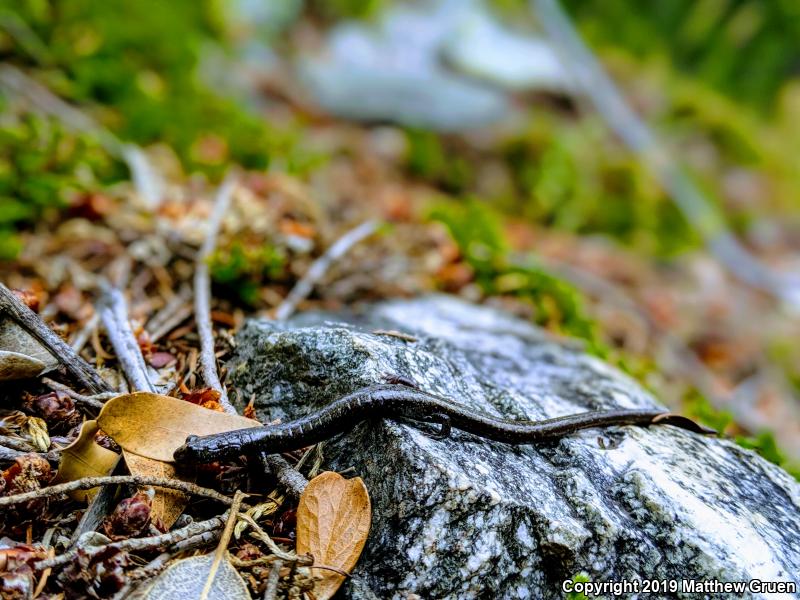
<point>333,520</point>
<point>85,458</point>
<point>154,426</point>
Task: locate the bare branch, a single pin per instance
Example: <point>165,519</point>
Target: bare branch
<point>113,311</point>
<point>136,544</point>
<point>88,483</point>
<point>319,267</point>
<point>82,371</point>
<point>202,294</point>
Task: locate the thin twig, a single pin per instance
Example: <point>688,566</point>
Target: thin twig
<point>202,294</point>
<point>292,479</point>
<point>10,454</point>
<point>33,324</point>
<point>271,590</point>
<point>222,546</point>
<point>88,483</point>
<point>94,401</point>
<point>319,267</point>
<point>16,444</point>
<point>79,340</point>
<point>113,312</point>
<point>136,544</point>
<point>262,535</point>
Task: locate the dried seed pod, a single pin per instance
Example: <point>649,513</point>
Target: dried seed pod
<point>56,408</point>
<point>131,517</point>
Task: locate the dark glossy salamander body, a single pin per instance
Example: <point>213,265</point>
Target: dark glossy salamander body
<point>402,402</point>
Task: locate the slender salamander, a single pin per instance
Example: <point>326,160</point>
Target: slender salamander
<point>403,402</point>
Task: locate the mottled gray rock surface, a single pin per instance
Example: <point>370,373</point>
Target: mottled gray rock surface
<point>468,518</point>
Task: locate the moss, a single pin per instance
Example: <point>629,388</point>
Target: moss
<point>242,268</point>
<point>139,61</point>
<point>557,304</point>
<point>42,166</point>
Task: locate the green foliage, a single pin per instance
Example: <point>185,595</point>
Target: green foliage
<point>569,174</point>
<point>41,167</point>
<point>477,231</point>
<point>581,577</point>
<point>746,48</point>
<point>242,268</point>
<point>764,443</point>
<point>429,159</point>
<point>699,408</point>
<point>348,9</point>
<point>139,60</point>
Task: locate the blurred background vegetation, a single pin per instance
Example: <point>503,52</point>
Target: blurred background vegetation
<point>720,78</point>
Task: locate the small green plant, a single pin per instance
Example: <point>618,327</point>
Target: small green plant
<point>477,231</point>
<point>242,268</point>
<point>581,577</point>
<point>42,166</point>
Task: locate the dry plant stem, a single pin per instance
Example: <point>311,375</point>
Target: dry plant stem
<point>78,368</point>
<point>10,454</point>
<point>90,482</point>
<point>319,267</point>
<point>113,312</point>
<point>95,401</point>
<point>16,444</point>
<point>202,294</point>
<point>271,591</point>
<point>262,535</point>
<point>292,479</point>
<point>222,546</point>
<point>136,544</point>
<point>79,340</point>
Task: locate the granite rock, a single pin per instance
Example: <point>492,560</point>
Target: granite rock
<point>469,518</point>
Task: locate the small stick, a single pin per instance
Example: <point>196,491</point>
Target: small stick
<point>135,544</point>
<point>113,312</point>
<point>292,479</point>
<point>95,401</point>
<point>79,340</point>
<point>262,535</point>
<point>10,454</point>
<point>222,546</point>
<point>271,591</point>
<point>88,483</point>
<point>16,444</point>
<point>33,324</point>
<point>202,294</point>
<point>319,267</point>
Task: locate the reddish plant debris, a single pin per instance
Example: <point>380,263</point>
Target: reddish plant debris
<point>56,408</point>
<point>159,360</point>
<point>17,577</point>
<point>131,517</point>
<point>101,439</point>
<point>207,398</point>
<point>98,576</point>
<point>29,298</point>
<point>30,472</point>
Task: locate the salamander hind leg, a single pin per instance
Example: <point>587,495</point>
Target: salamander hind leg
<point>445,427</point>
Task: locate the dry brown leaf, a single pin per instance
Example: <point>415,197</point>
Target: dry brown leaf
<point>333,520</point>
<point>85,458</point>
<point>167,504</point>
<point>14,365</point>
<point>154,426</point>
